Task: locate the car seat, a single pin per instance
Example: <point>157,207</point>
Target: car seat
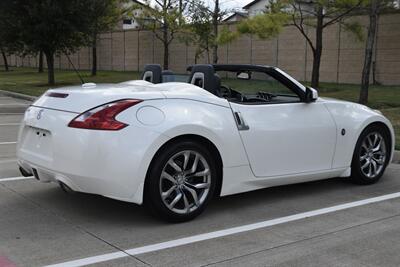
<point>152,73</point>
<point>204,76</point>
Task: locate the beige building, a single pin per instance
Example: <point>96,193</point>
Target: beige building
<point>259,6</point>
<point>129,22</point>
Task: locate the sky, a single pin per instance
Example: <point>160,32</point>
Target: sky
<point>229,4</point>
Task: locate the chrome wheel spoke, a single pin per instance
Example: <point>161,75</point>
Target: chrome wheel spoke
<point>201,173</point>
<point>186,156</point>
<point>173,164</point>
<point>168,192</point>
<point>366,164</point>
<point>165,175</point>
<point>195,162</point>
<point>374,165</point>
<point>194,195</point>
<point>377,145</point>
<point>186,202</point>
<point>378,161</point>
<point>176,199</point>
<point>199,186</point>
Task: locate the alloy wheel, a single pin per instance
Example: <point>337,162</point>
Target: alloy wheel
<point>185,182</point>
<point>373,155</point>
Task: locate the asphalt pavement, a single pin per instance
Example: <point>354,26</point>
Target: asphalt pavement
<point>298,225</point>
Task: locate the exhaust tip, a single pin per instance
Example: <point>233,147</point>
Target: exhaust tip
<point>24,172</point>
<point>66,188</point>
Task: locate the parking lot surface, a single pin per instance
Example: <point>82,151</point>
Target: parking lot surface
<point>41,225</point>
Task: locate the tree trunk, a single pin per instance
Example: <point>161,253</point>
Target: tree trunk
<point>6,68</point>
<point>166,47</point>
<point>215,32</point>
<point>94,57</point>
<point>50,67</point>
<point>166,56</point>
<point>40,69</point>
<point>318,48</point>
<point>373,17</point>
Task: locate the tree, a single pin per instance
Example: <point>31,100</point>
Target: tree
<point>302,15</point>
<point>9,36</point>
<point>40,68</point>
<point>103,16</point>
<point>199,30</point>
<point>165,20</point>
<point>374,7</point>
<point>319,15</point>
<point>215,21</point>
<point>52,26</point>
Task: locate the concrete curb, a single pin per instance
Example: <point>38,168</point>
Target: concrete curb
<point>396,157</point>
<point>18,95</point>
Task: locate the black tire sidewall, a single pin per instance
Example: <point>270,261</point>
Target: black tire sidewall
<point>152,197</point>
<point>357,175</point>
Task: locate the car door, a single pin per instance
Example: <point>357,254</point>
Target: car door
<point>287,138</point>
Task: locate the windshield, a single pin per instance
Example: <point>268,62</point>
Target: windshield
<point>256,82</point>
<point>167,78</point>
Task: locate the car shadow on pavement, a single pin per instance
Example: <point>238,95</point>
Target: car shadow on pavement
<point>255,205</point>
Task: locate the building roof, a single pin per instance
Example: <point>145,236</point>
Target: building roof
<point>236,13</point>
<point>250,4</point>
<point>138,2</point>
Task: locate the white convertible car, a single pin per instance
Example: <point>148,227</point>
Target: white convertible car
<point>175,145</point>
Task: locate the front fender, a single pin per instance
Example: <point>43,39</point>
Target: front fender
<point>353,119</point>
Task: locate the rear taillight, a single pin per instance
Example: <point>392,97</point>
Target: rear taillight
<point>103,117</point>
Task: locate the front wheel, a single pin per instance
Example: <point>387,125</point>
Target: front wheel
<point>371,155</point>
<point>181,181</point>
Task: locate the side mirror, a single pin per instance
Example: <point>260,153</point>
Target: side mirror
<point>311,95</point>
<point>243,75</point>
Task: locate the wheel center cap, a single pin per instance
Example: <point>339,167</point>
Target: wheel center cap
<point>180,179</point>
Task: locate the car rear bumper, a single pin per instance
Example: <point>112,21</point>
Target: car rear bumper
<point>109,163</point>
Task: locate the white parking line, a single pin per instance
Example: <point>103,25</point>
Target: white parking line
<point>15,178</point>
<point>15,104</point>
<point>9,124</point>
<point>221,233</point>
<point>7,143</point>
<point>7,160</point>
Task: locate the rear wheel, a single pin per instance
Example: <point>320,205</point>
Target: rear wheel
<point>371,155</point>
<point>181,182</point>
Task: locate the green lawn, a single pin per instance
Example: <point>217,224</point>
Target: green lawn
<point>28,81</point>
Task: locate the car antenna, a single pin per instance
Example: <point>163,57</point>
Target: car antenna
<point>76,71</point>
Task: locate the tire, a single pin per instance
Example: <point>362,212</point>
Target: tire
<point>172,191</point>
<point>371,155</point>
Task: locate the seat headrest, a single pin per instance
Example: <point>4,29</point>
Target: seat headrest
<point>152,73</point>
<point>204,77</point>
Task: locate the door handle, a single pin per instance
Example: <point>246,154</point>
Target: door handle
<point>241,124</point>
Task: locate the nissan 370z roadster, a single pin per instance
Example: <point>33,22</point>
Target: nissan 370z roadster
<point>173,142</point>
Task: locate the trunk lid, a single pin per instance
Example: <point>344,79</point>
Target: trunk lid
<point>78,99</point>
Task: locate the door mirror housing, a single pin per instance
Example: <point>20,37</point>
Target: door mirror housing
<point>244,75</point>
<point>311,95</point>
